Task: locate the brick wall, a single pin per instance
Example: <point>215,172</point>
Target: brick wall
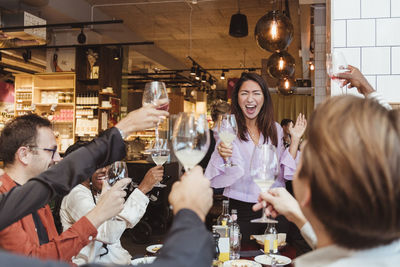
<point>368,34</point>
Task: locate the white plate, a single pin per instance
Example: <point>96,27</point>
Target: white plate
<point>154,248</point>
<point>144,260</point>
<point>266,260</point>
<point>241,263</point>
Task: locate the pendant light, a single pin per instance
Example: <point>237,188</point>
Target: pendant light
<point>281,65</point>
<point>238,26</point>
<point>274,31</point>
<point>286,86</point>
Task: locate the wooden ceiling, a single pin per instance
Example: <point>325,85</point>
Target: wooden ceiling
<point>167,23</point>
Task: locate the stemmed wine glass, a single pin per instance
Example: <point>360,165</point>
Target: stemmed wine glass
<point>156,93</point>
<point>335,64</point>
<point>264,168</point>
<point>160,154</point>
<point>191,139</point>
<point>227,132</point>
<point>117,171</point>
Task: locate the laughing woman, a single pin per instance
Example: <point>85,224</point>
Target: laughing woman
<point>252,107</point>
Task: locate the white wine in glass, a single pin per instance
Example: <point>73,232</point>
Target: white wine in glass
<point>160,154</point>
<point>264,168</point>
<point>227,132</point>
<point>191,139</point>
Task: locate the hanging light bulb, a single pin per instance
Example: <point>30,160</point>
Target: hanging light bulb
<point>274,31</point>
<point>281,65</point>
<point>238,26</point>
<point>286,86</point>
<point>311,66</point>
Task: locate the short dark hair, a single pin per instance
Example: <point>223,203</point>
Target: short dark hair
<point>265,119</point>
<point>75,146</point>
<point>219,107</point>
<point>285,122</point>
<point>21,131</point>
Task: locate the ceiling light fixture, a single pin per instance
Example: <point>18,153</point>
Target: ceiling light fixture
<point>193,70</point>
<point>81,37</point>
<point>238,26</point>
<point>222,75</point>
<point>281,65</point>
<point>274,31</point>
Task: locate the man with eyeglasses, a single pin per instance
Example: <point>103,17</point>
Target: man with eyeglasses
<point>28,148</point>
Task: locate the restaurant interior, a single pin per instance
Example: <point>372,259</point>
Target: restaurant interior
<point>85,64</point>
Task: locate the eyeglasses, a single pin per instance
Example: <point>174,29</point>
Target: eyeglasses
<point>53,150</point>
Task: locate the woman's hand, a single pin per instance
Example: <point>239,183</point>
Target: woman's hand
<point>354,78</point>
<point>153,176</point>
<point>224,150</point>
<point>280,201</point>
<point>297,131</point>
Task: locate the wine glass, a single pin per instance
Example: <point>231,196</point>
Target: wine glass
<point>156,93</point>
<point>335,64</point>
<point>264,168</point>
<point>160,154</point>
<point>227,132</point>
<point>117,171</point>
<point>191,139</point>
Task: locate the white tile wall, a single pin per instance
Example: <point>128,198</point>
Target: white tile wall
<point>375,8</point>
<point>361,32</point>
<point>389,87</point>
<point>339,31</point>
<point>352,55</point>
<point>395,8</point>
<point>375,60</point>
<point>388,31</point>
<point>372,42</point>
<point>346,9</point>
<point>371,80</point>
<point>396,60</point>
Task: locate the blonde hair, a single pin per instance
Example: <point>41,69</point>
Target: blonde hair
<point>352,163</point>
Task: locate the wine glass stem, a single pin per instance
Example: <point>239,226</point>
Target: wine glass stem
<point>157,136</point>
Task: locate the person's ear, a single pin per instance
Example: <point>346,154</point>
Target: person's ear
<point>23,155</point>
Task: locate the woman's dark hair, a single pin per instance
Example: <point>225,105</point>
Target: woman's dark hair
<point>265,119</point>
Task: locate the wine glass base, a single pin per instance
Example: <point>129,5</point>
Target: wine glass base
<point>264,220</point>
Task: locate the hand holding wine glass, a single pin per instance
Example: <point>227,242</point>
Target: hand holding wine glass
<point>264,169</point>
<point>227,132</point>
<point>155,93</point>
<point>191,139</point>
<point>160,154</point>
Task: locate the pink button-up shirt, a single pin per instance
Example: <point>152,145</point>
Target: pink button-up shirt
<point>236,180</point>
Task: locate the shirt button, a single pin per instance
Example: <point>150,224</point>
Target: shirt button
<point>90,238</point>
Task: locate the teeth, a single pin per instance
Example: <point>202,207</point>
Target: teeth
<point>250,106</point>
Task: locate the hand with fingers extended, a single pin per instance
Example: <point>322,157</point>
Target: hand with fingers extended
<point>297,131</point>
<point>153,176</point>
<point>280,201</point>
<point>141,119</point>
<point>110,203</point>
<point>224,150</point>
<point>354,78</point>
<point>192,192</point>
